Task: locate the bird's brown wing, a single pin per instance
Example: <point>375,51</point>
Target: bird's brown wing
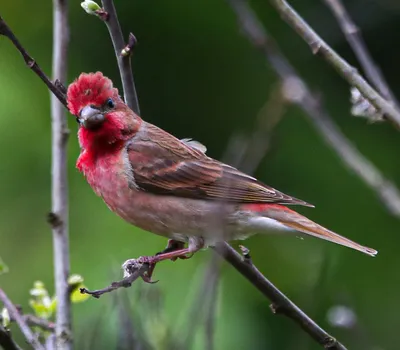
<point>163,164</point>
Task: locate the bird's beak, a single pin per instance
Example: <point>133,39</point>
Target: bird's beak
<point>91,118</point>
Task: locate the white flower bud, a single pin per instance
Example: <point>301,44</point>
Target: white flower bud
<point>90,7</point>
<point>5,318</point>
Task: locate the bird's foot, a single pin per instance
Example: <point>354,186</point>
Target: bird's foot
<point>173,251</point>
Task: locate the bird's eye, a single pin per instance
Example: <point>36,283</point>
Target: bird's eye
<point>110,103</point>
<point>78,120</point>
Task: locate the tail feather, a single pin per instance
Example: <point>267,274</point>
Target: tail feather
<point>294,220</point>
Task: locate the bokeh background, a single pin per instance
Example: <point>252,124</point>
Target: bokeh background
<point>198,77</point>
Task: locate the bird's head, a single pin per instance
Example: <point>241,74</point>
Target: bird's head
<point>104,119</point>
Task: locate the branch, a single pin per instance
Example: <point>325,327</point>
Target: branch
<point>22,324</point>
<point>123,59</point>
<point>35,321</point>
<point>6,341</point>
<point>280,302</point>
<point>135,273</point>
<point>30,62</point>
<point>298,93</point>
<point>59,181</point>
<point>356,42</point>
<point>349,73</point>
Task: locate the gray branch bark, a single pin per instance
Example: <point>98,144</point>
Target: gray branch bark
<point>59,215</point>
<point>124,61</point>
<point>357,44</point>
<point>298,93</point>
<point>19,319</point>
<point>349,73</point>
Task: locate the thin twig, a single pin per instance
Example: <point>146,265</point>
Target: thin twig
<point>30,62</point>
<point>35,321</point>
<point>124,283</point>
<point>6,341</point>
<point>349,73</point>
<point>59,180</point>
<point>280,303</point>
<point>19,319</point>
<point>356,42</point>
<point>299,94</point>
<point>124,61</point>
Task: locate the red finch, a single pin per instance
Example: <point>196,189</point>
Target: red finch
<point>169,186</point>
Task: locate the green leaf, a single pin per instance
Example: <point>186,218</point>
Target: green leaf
<point>53,305</point>
<point>77,296</point>
<point>76,283</point>
<point>3,267</point>
<point>41,303</point>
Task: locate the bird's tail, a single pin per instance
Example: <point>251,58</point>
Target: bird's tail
<point>294,220</point>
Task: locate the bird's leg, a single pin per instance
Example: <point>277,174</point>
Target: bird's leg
<point>174,246</point>
<point>195,244</point>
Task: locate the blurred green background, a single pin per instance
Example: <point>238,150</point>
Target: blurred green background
<point>198,77</point>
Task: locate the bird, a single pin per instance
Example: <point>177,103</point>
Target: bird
<point>169,186</point>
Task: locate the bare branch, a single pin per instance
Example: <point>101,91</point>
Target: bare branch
<point>124,61</point>
<point>19,319</point>
<point>349,73</point>
<point>59,180</point>
<point>280,303</point>
<point>6,341</point>
<point>127,50</point>
<point>356,42</point>
<point>298,93</point>
<point>126,282</point>
<point>30,62</point>
<point>33,320</point>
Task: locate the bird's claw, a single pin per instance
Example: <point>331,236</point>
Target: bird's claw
<point>147,278</point>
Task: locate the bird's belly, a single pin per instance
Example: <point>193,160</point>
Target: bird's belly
<point>169,216</point>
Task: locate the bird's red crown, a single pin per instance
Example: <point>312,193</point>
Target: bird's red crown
<point>89,88</point>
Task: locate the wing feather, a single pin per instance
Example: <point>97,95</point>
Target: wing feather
<point>174,167</point>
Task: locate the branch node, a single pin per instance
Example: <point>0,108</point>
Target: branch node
<point>30,63</point>
<point>276,309</point>
<point>65,135</point>
<point>54,220</point>
<point>60,86</point>
<point>330,343</point>
<point>315,47</point>
<point>246,254</point>
<point>103,15</point>
<point>127,50</point>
